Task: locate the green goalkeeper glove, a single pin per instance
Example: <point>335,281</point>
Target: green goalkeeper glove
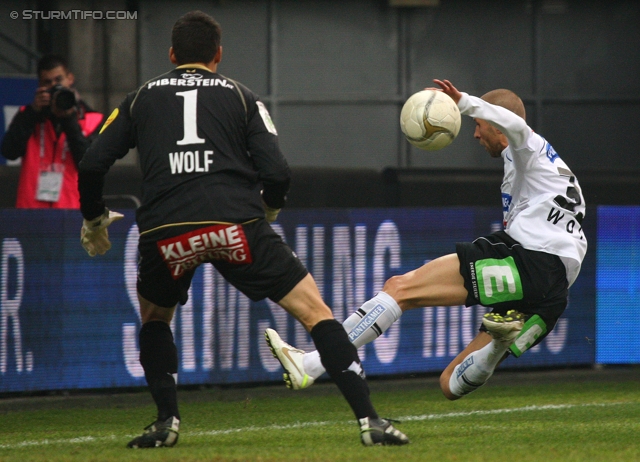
<point>94,236</point>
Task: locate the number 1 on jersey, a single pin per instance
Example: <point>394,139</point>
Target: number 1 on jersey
<point>190,123</point>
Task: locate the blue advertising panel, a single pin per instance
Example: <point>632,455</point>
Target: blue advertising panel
<point>70,321</point>
<point>618,285</point>
<point>14,92</point>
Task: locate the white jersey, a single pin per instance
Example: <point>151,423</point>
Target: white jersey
<point>543,206</point>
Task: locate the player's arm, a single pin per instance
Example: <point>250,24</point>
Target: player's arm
<point>515,128</point>
<point>262,144</point>
<point>511,125</point>
<point>113,142</point>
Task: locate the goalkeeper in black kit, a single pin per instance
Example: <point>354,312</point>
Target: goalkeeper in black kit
<point>213,180</point>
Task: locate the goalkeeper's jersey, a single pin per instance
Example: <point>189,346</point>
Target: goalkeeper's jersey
<point>543,206</point>
<point>207,148</point>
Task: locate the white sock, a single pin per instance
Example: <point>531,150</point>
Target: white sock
<point>373,318</point>
<point>312,365</point>
<point>476,368</point>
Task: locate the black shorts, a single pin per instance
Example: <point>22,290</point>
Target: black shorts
<point>252,257</point>
<point>499,273</point>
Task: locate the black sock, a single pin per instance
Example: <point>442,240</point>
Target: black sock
<point>338,355</point>
<point>159,359</point>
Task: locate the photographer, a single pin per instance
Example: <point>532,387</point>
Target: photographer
<point>51,135</point>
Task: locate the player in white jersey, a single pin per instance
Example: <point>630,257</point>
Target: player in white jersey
<point>523,273</point>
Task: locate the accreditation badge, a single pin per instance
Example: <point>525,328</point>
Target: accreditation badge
<point>49,186</point>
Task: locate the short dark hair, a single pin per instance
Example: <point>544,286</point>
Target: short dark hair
<point>195,38</point>
<point>48,62</point>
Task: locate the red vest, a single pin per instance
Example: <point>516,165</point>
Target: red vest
<point>48,152</point>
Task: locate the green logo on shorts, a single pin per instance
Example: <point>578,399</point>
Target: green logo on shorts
<point>498,281</point>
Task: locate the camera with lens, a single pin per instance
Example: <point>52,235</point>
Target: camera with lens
<point>62,97</point>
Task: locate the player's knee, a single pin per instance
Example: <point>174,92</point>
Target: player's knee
<point>149,311</point>
<point>445,378</point>
<point>157,314</point>
<point>444,385</point>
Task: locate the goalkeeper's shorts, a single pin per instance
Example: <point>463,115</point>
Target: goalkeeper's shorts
<point>499,273</point>
<point>252,257</point>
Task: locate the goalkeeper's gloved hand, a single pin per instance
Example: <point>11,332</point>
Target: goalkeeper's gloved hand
<point>94,236</point>
<point>270,214</point>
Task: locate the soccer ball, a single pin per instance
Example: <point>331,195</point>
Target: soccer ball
<point>430,120</point>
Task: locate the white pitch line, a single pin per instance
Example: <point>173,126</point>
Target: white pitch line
<point>76,440</point>
<point>503,411</point>
<point>252,428</point>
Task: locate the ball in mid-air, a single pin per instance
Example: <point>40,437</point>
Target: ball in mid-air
<point>430,120</point>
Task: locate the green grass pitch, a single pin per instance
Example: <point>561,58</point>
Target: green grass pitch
<point>570,415</point>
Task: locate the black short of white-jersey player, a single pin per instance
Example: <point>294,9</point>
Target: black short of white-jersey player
<point>213,179</point>
<point>523,272</point>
